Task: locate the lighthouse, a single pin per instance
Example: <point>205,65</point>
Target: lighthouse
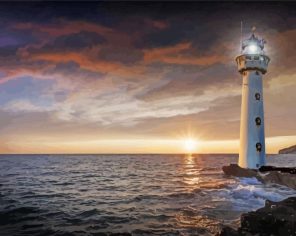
<point>252,65</point>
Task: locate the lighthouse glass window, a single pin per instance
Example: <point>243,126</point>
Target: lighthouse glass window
<point>258,121</point>
<point>257,96</point>
<point>259,147</point>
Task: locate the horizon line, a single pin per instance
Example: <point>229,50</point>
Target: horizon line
<point>127,154</point>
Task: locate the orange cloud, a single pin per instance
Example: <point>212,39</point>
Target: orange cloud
<point>173,55</point>
<point>202,61</point>
<point>159,24</point>
<point>64,28</point>
<point>158,53</point>
<point>13,73</point>
<point>86,62</point>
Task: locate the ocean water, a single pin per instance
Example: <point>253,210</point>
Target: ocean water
<point>135,194</point>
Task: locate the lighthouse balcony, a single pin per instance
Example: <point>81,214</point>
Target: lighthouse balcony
<point>252,62</point>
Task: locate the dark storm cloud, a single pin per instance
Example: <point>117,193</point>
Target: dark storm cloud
<point>12,40</point>
<point>8,51</point>
<point>124,55</point>
<point>73,69</point>
<point>75,41</point>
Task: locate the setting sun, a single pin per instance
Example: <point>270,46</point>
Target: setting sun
<point>190,145</point>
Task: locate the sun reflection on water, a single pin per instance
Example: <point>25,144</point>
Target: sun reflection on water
<point>191,173</point>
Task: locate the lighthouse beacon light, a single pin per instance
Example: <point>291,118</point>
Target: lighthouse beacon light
<point>252,65</point>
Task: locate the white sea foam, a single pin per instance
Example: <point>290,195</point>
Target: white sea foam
<point>250,194</point>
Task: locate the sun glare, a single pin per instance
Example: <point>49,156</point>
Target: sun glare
<point>190,145</point>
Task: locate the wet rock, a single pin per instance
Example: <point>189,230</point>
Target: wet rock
<point>276,177</point>
<point>228,231</point>
<point>275,218</point>
<point>267,174</point>
<point>289,170</point>
<point>120,234</point>
<point>235,170</point>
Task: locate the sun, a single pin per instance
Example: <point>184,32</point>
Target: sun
<point>190,145</point>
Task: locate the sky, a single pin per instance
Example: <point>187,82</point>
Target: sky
<point>119,77</point>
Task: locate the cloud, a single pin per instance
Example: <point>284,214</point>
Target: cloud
<point>23,106</point>
<point>71,42</point>
<point>139,72</point>
<point>173,55</point>
<point>193,80</point>
<point>124,55</point>
<point>87,62</point>
<point>63,27</point>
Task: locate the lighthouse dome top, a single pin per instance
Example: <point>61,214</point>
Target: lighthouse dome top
<point>253,45</point>
<point>252,56</point>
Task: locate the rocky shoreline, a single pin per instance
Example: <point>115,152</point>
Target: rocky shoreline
<point>275,218</point>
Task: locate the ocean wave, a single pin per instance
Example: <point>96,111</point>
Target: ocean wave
<point>183,195</point>
<point>90,213</point>
<point>124,195</point>
<point>45,196</point>
<point>18,215</point>
<point>250,194</point>
<point>160,217</point>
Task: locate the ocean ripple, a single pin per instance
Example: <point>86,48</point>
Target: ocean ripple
<point>126,194</point>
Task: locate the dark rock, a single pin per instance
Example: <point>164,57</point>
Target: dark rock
<point>267,174</point>
<point>281,169</point>
<point>275,218</point>
<point>228,231</point>
<point>277,177</point>
<point>289,150</point>
<point>120,234</point>
<point>235,170</point>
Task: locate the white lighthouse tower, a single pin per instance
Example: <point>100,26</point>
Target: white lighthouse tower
<point>252,65</point>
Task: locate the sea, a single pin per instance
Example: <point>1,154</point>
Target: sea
<point>98,195</point>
